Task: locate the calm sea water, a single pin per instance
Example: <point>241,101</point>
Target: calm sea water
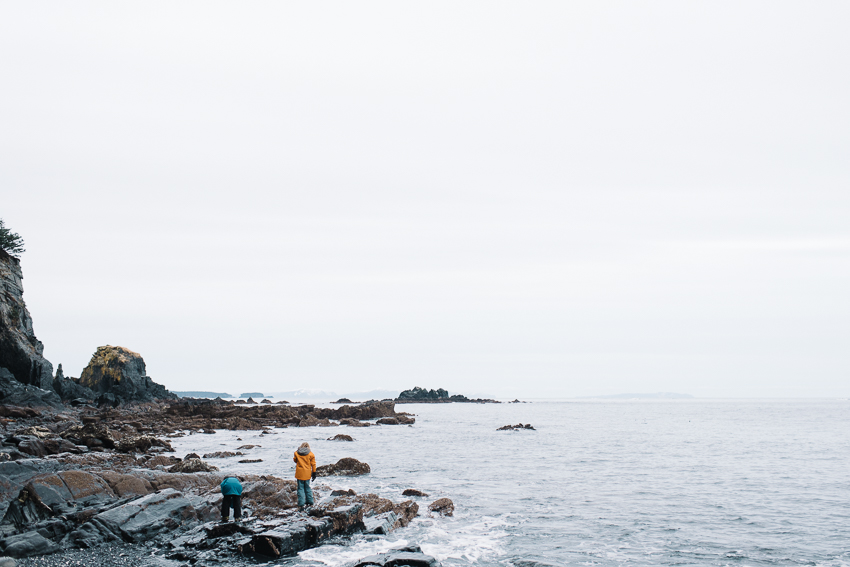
<point>680,482</point>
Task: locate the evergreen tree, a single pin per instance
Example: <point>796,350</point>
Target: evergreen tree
<point>11,242</point>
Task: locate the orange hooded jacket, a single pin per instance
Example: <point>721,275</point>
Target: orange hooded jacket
<point>305,465</point>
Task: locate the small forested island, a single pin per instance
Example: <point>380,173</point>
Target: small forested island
<point>419,395</point>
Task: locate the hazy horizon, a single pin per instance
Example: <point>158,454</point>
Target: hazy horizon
<point>540,200</point>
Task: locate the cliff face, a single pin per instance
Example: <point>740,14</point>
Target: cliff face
<point>20,351</point>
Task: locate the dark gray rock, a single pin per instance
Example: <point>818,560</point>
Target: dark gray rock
<point>344,467</point>
<point>116,374</point>
<point>411,556</point>
<point>69,389</point>
<point>341,437</point>
<point>32,446</point>
<point>20,350</point>
<point>16,393</point>
<point>304,533</point>
<point>146,517</point>
<point>27,545</point>
<point>90,435</point>
<point>380,524</point>
<point>192,466</point>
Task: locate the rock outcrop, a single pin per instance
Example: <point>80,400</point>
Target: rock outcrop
<point>344,467</point>
<point>517,427</point>
<point>410,556</point>
<point>419,395</point>
<point>20,350</point>
<point>117,374</point>
<point>442,506</point>
<point>177,513</point>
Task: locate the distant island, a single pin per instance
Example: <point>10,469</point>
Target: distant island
<point>204,394</point>
<point>419,395</point>
<point>254,395</point>
<point>655,396</point>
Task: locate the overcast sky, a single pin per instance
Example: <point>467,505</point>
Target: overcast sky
<point>509,199</point>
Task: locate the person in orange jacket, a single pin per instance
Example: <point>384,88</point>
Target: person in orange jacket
<point>305,471</point>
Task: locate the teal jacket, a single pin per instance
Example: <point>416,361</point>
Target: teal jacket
<point>231,486</point>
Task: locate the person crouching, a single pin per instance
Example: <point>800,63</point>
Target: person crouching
<point>305,471</point>
<point>231,490</point>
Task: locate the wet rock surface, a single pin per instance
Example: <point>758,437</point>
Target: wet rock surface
<point>176,513</point>
<point>341,437</point>
<point>346,466</point>
<point>517,427</point>
<point>442,506</point>
<point>411,556</point>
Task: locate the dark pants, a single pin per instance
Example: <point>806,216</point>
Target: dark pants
<point>234,500</point>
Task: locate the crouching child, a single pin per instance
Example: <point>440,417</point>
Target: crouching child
<point>231,490</point>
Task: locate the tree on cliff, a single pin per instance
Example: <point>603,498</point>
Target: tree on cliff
<point>11,242</point>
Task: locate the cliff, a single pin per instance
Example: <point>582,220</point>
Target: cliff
<point>20,351</point>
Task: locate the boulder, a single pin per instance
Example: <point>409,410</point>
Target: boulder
<point>117,373</point>
<point>90,435</point>
<point>161,460</point>
<point>32,446</point>
<point>388,421</point>
<point>27,545</point>
<point>192,466</point>
<point>380,524</point>
<point>341,437</point>
<point>270,495</point>
<point>59,445</point>
<point>222,454</point>
<point>346,466</point>
<point>413,492</point>
<point>410,556</point>
<point>141,444</point>
<point>442,506</point>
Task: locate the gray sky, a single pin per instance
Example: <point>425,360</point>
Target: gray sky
<point>511,199</point>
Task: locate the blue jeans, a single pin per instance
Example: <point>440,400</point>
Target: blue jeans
<point>304,492</point>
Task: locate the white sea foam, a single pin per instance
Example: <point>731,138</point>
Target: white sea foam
<point>598,483</point>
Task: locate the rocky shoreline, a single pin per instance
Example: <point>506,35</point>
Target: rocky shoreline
<point>86,464</point>
<point>85,477</point>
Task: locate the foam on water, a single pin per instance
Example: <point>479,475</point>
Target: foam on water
<point>599,483</point>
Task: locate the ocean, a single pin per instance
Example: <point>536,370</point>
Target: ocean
<point>608,483</point>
